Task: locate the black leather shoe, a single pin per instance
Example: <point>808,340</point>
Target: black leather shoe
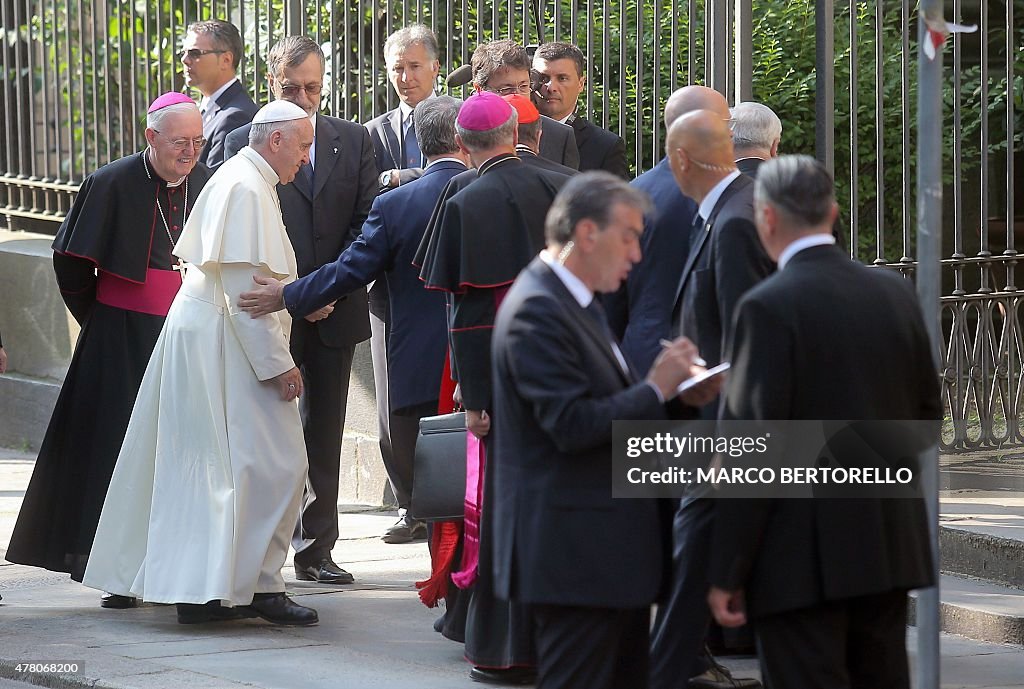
<point>278,608</point>
<point>194,613</point>
<point>324,572</point>
<point>118,602</point>
<point>406,529</point>
<point>514,676</point>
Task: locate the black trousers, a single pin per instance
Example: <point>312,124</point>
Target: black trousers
<point>857,643</point>
<point>591,648</point>
<point>677,638</point>
<point>325,375</point>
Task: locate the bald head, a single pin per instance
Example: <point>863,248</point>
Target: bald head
<point>691,98</point>
<point>704,136</point>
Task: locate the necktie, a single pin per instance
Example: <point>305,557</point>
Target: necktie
<point>597,312</point>
<point>412,147</point>
<point>696,229</point>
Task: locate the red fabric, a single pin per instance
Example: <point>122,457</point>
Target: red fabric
<point>154,296</point>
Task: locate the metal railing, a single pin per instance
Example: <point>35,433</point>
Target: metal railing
<point>77,76</point>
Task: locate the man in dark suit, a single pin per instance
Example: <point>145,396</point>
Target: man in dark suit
<point>560,73</point>
<point>211,53</point>
<point>756,133</point>
<point>384,251</point>
<point>410,57</point>
<point>528,142</point>
<point>725,260</point>
<point>323,210</point>
<point>824,579</point>
<point>503,67</point>
<point>559,382</point>
<point>640,312</point>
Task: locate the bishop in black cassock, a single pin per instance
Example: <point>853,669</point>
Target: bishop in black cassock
<point>113,262</point>
<point>477,242</point>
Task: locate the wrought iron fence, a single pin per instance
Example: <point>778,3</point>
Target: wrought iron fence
<point>77,76</point>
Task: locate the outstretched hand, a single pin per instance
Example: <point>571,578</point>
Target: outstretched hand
<point>265,299</point>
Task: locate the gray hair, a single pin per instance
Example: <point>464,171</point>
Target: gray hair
<point>259,133</point>
<point>155,120</point>
<point>797,185</point>
<point>502,135</point>
<point>290,52</point>
<point>224,34</point>
<point>529,132</point>
<point>590,195</point>
<point>435,124</point>
<point>399,41</point>
<point>757,126</point>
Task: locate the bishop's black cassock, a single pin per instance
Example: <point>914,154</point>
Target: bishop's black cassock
<point>487,226</point>
<point>112,257</point>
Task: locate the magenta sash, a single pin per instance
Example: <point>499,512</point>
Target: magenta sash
<point>154,296</point>
<point>475,466</point>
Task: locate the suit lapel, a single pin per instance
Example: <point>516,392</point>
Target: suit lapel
<point>391,126</point>
<point>695,251</point>
<point>328,153</point>
<point>583,319</point>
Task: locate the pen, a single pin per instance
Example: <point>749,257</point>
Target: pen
<point>697,360</point>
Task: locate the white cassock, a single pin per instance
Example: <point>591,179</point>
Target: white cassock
<point>207,486</point>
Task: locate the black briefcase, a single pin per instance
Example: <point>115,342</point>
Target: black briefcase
<point>439,469</point>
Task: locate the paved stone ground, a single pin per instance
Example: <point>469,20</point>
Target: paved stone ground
<point>374,634</point>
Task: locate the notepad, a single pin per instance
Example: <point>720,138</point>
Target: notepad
<point>700,378</point>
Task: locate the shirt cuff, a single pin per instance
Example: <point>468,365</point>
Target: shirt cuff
<point>661,398</point>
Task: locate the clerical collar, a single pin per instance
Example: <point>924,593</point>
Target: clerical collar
<point>147,163</point>
<point>497,160</point>
<point>804,243</point>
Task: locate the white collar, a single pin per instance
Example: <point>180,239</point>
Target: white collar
<point>580,292</point>
<point>708,203</point>
<point>444,160</point>
<point>563,120</point>
<point>312,119</point>
<point>207,101</point>
<point>804,243</point>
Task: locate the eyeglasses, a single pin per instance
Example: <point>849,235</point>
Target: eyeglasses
<point>730,122</point>
<point>522,89</point>
<point>196,53</point>
<point>292,90</point>
<point>183,143</point>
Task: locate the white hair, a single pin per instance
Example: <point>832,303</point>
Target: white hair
<point>155,120</point>
<point>756,126</point>
<point>259,133</point>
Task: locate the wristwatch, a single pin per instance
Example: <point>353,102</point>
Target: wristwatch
<point>385,178</point>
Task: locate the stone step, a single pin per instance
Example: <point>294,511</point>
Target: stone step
<point>970,552</point>
<point>978,610</point>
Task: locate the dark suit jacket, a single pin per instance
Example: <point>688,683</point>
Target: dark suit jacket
<point>531,158</point>
<point>322,221</point>
<point>236,109</point>
<point>748,166</point>
<point>388,152</point>
<point>826,338</point>
<point>558,536</point>
<point>640,312</point>
<point>558,143</point>
<point>600,149</point>
<point>418,339</point>
<point>725,261</point>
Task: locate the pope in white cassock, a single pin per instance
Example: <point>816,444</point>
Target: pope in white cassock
<point>209,479</point>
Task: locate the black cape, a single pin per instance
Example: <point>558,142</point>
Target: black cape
<point>114,226</point>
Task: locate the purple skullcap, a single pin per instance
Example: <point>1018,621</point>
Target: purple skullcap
<point>483,111</point>
<point>169,98</point>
